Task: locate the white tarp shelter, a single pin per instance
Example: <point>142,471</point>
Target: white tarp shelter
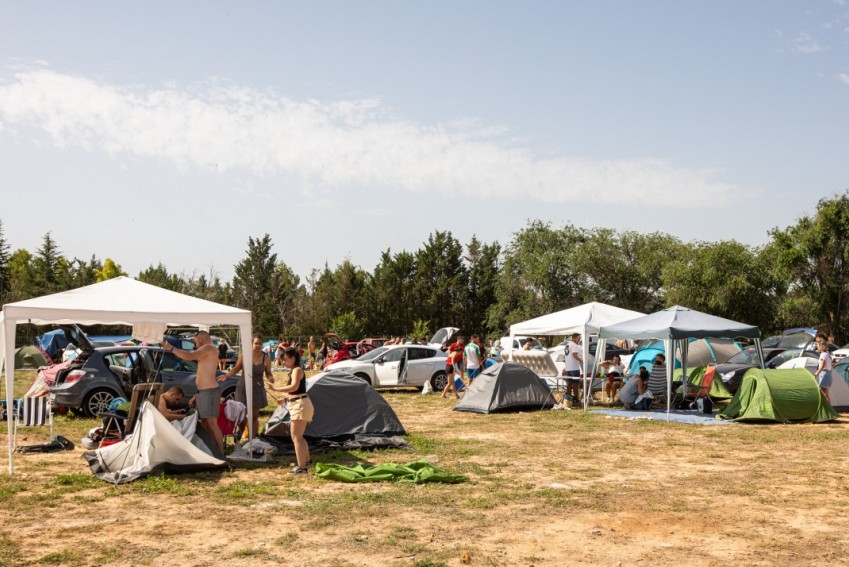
<point>119,301</point>
<point>675,326</point>
<point>586,319</point>
<point>156,445</point>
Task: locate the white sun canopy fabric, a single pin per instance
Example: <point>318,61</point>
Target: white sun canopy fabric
<point>119,301</point>
<point>585,319</point>
<point>675,325</point>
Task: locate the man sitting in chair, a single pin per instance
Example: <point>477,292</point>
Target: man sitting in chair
<point>169,400</point>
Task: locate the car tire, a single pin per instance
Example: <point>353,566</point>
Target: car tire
<point>229,394</point>
<point>439,381</point>
<point>97,401</point>
<point>363,377</point>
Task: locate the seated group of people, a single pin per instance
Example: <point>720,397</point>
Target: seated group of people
<point>630,391</point>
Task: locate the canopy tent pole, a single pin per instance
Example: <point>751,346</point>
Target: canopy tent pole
<point>247,369</point>
<point>599,353</point>
<point>7,345</point>
<point>685,347</point>
<point>584,354</point>
<point>669,347</point>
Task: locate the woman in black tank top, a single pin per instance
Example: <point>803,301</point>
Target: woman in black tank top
<point>300,408</point>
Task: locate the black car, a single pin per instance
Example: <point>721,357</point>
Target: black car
<point>99,375</point>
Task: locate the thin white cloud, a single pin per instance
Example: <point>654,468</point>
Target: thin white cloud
<point>806,45</point>
<point>328,146</point>
<point>843,78</point>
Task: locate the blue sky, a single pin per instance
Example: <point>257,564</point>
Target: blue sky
<point>171,132</point>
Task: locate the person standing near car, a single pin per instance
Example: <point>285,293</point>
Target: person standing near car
<point>208,398</point>
<point>473,358</point>
<point>260,364</point>
<point>823,373</point>
<point>300,408</point>
<point>453,364</point>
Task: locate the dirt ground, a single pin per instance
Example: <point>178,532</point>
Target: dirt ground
<point>545,488</point>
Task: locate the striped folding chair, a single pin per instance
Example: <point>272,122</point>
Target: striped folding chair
<point>32,412</point>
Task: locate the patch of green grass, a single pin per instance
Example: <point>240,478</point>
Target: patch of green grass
<point>9,488</point>
<point>286,539</point>
<point>242,490</point>
<point>10,551</point>
<point>251,552</point>
<point>160,484</point>
<point>402,533</point>
<point>108,554</point>
<point>75,482</point>
<point>64,557</point>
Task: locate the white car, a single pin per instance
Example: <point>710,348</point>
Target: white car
<point>383,367</point>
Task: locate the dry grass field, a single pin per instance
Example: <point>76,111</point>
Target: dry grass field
<point>545,488</point>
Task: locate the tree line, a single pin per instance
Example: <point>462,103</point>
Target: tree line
<point>799,278</point>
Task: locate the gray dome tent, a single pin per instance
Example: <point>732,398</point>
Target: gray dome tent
<point>345,406</point>
<point>506,386</point>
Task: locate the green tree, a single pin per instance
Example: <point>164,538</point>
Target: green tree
<point>5,270</point>
<point>537,276</point>
<point>49,267</point>
<point>482,261</point>
<point>110,270</point>
<point>420,330</point>
<point>253,285</point>
<point>347,325</point>
<point>625,269</point>
<point>814,255</point>
<point>158,275</point>
<point>441,280</point>
<point>727,279</point>
<point>22,275</point>
<point>391,292</point>
<point>84,273</point>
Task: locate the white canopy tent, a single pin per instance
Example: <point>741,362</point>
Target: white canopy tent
<point>675,326</point>
<point>119,301</point>
<point>585,319</point>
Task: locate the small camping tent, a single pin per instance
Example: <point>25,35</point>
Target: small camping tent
<point>344,406</point>
<point>30,358</point>
<point>785,396</point>
<point>506,386</point>
<point>839,390</point>
<point>700,352</point>
<point>156,446</point>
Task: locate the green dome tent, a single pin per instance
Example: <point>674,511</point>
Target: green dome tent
<point>29,357</point>
<point>785,396</point>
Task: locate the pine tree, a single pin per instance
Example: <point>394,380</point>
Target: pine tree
<point>5,270</point>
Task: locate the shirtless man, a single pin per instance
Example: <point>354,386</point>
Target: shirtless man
<point>208,397</point>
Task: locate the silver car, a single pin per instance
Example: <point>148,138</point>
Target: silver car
<point>398,365</point>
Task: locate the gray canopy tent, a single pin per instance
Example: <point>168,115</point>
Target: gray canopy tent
<point>675,326</point>
<point>118,301</point>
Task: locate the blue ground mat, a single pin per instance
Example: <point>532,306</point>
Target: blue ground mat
<point>678,416</point>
